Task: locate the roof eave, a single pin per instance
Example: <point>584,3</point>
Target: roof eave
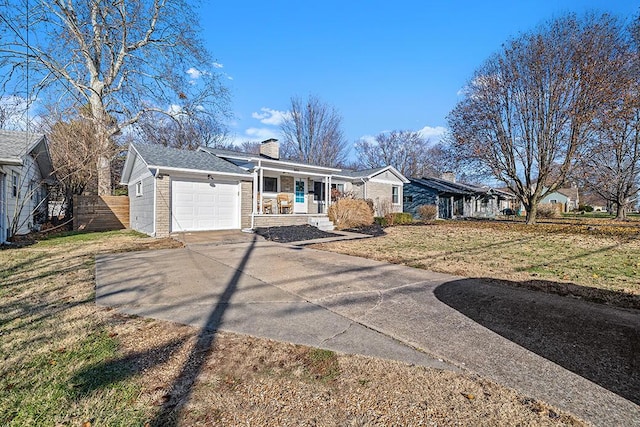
<point>169,169</point>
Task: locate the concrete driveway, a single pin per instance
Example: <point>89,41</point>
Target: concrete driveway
<point>581,357</point>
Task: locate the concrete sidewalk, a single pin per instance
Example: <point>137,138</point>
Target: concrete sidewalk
<point>355,305</point>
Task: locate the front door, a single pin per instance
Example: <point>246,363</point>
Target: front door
<point>299,202</point>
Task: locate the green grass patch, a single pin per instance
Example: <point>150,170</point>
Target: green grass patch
<point>322,365</point>
<point>71,385</point>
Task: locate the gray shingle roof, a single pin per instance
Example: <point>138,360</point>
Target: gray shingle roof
<point>157,155</point>
<point>361,173</point>
<point>444,186</point>
<point>15,145</point>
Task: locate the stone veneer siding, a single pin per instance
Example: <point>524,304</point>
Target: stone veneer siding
<point>246,203</point>
<point>163,206</point>
<point>280,220</point>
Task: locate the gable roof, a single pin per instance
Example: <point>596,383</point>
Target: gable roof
<point>370,173</point>
<point>174,159</point>
<point>16,145</point>
<point>571,193</point>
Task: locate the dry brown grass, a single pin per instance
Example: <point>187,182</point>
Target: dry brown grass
<point>599,262</point>
<point>68,362</point>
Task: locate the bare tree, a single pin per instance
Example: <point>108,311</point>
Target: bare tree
<point>313,134</point>
<point>185,131</point>
<point>124,59</point>
<point>408,151</point>
<point>610,166</point>
<point>530,108</point>
<point>12,112</point>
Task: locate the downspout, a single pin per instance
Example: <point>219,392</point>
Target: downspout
<point>364,188</point>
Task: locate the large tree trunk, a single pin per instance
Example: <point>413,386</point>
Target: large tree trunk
<point>621,212</point>
<point>103,144</point>
<point>532,212</point>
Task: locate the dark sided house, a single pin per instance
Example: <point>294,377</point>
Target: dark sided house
<point>454,199</point>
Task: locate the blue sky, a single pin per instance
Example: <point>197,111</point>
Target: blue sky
<point>384,65</point>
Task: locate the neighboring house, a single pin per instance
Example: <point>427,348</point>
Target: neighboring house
<point>455,200</point>
<point>173,190</point>
<point>25,171</point>
<point>596,202</point>
<point>568,198</point>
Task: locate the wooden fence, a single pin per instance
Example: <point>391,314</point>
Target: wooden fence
<point>100,213</point>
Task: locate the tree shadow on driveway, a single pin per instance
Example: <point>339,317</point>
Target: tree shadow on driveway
<point>598,342</point>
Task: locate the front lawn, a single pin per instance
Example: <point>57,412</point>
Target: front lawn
<point>598,261</point>
<point>66,361</point>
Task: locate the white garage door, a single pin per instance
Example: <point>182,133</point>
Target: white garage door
<point>204,205</point>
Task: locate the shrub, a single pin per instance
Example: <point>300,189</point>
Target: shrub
<point>585,208</point>
<point>370,204</point>
<point>399,218</point>
<point>427,212</point>
<point>381,221</point>
<point>349,213</point>
<point>547,211</point>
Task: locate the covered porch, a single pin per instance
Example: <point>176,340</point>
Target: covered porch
<point>290,196</point>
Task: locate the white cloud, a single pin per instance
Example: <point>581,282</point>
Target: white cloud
<point>433,134</point>
<point>368,138</point>
<point>194,73</point>
<point>175,110</point>
<point>218,65</point>
<point>261,134</point>
<point>271,117</point>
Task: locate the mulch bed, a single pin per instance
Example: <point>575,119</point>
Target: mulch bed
<point>293,233</point>
<point>371,230</point>
<point>299,233</point>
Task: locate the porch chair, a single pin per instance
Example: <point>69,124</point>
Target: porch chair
<point>285,204</point>
<point>266,204</point>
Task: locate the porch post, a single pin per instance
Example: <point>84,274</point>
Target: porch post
<point>260,189</point>
<point>329,192</point>
<point>254,201</point>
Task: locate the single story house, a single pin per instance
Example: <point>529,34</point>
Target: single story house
<point>454,199</point>
<point>568,198</point>
<point>25,171</point>
<point>172,190</point>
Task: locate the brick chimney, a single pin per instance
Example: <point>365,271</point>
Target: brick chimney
<point>448,176</point>
<point>270,149</point>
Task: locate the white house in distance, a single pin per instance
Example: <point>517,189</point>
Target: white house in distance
<point>173,190</point>
<point>25,169</point>
<point>567,199</point>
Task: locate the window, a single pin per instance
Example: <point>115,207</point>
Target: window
<point>395,198</point>
<point>138,188</point>
<point>15,178</point>
<point>339,187</point>
<point>318,190</point>
<point>408,199</point>
<point>269,184</point>
<point>553,201</point>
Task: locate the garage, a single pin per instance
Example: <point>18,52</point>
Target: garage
<point>200,205</point>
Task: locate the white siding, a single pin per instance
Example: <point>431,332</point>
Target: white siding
<point>141,207</point>
<point>20,210</point>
